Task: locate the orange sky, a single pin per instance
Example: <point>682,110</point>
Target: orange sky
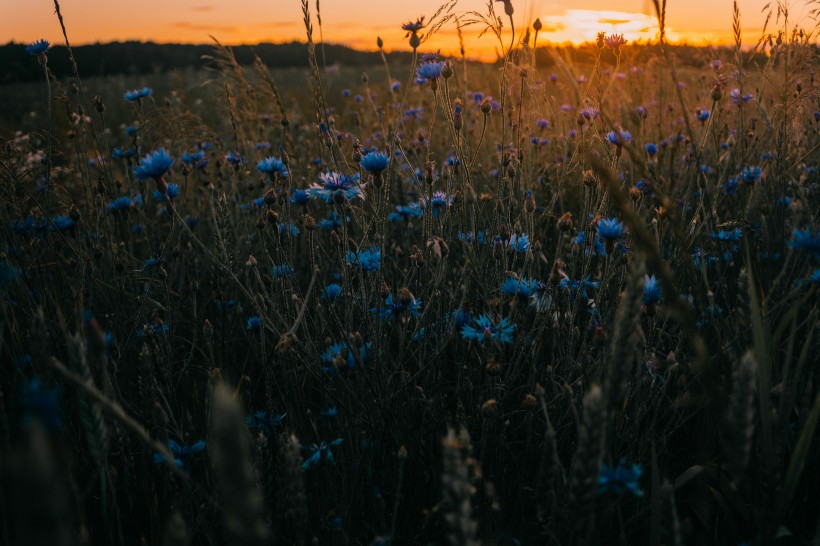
<point>359,22</point>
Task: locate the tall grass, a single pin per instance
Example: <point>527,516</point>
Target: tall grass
<point>566,302</point>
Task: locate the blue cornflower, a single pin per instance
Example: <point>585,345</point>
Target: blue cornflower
<point>233,158</point>
<point>575,286</point>
<point>814,278</point>
<point>588,113</point>
<point>740,99</point>
<point>153,329</point>
<point>60,223</point>
<point>339,355</point>
<point>429,71</point>
<point>333,221</point>
<point>651,149</point>
<point>610,229</point>
<point>181,453</point>
<point>414,113</point>
<point>150,263</point>
<point>154,165</point>
<point>702,115</point>
<point>541,298</point>
<point>319,451</point>
<point>261,421</point>
<point>375,162</point>
<point>469,237</point>
<point>279,271</point>
<point>117,153</point>
<point>732,236</point>
<point>254,324</point>
<point>581,239</point>
<point>405,212</point>
<point>619,138</point>
<point>730,186</point>
<point>331,412</point>
<point>460,317</point>
<point>331,292</point>
<point>39,47</point>
<point>804,241</point>
<point>272,166</point>
<point>300,197</point>
<point>644,187</point>
<point>652,292</point>
<point>501,331</point>
<point>137,94</point>
<point>367,260</point>
<point>394,307</point>
<point>752,174</point>
<point>171,193</point>
<point>36,401</point>
<point>519,243</point>
<point>337,187</point>
<point>288,229</point>
<point>121,204</point>
<point>519,288</point>
<point>620,479</point>
<point>190,158</point>
<point>440,201</point>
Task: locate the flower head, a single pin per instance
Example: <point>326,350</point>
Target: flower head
<point>271,166</point>
<point>367,260</point>
<point>614,41</point>
<point>519,243</point>
<point>39,47</point>
<point>137,94</point>
<point>739,98</point>
<point>154,165</point>
<point>320,451</point>
<point>337,187</point>
<point>340,355</point>
<point>804,241</point>
<point>375,162</point>
<point>413,26</point>
<point>429,71</point>
<point>486,330</point>
<point>621,479</point>
<point>521,288</point>
<point>397,307</point>
<point>181,453</point>
<point>652,292</point>
<point>619,138</point>
<point>610,229</point>
<point>254,324</point>
<point>331,292</point>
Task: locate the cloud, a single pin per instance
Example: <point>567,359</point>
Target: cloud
<point>203,8</point>
<point>578,25</point>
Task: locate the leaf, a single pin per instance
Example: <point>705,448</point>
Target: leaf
<point>798,461</point>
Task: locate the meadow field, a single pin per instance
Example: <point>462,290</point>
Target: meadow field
<point>563,298</point>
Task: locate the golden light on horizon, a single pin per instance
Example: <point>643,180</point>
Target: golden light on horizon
<point>276,21</point>
<point>577,26</point>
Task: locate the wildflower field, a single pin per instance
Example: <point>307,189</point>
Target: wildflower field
<point>530,302</point>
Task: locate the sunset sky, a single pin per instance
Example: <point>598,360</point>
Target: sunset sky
<point>358,22</point>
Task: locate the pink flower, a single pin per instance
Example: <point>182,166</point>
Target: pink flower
<point>614,40</point>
